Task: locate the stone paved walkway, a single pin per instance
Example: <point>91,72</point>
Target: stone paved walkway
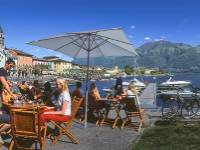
<point>95,138</point>
<point>101,138</point>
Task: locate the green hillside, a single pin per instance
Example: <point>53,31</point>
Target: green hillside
<point>162,54</point>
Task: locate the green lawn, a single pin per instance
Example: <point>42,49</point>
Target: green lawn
<point>167,135</point>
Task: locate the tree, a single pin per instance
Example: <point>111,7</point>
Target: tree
<point>128,70</point>
<point>37,69</point>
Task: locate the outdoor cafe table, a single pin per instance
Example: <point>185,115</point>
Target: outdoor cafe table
<point>26,105</point>
<point>113,108</point>
<point>112,102</point>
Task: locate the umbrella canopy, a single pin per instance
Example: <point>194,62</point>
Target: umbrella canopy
<point>111,42</point>
<point>86,44</point>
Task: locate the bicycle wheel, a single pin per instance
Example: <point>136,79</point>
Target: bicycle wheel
<point>195,106</point>
<point>189,109</point>
<point>170,108</point>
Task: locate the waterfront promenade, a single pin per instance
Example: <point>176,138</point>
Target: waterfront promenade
<point>100,138</point>
<point>97,138</point>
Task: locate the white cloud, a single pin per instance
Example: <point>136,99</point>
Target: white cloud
<point>132,27</point>
<point>147,38</point>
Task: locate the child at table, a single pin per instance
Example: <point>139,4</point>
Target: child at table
<point>64,112</point>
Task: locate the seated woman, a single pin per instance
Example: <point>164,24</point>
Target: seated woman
<point>93,93</point>
<point>23,87</point>
<point>36,90</point>
<point>93,97</point>
<point>64,99</point>
<point>77,92</point>
<point>131,93</point>
<point>47,94</point>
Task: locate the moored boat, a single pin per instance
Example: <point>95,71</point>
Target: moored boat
<point>171,82</point>
<point>137,83</point>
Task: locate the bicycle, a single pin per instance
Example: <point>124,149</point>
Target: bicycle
<point>175,105</point>
<point>192,107</point>
<point>170,107</point>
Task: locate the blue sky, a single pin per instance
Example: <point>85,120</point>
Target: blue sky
<point>142,20</point>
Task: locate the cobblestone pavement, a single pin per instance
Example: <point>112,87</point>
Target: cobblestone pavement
<point>98,138</point>
<point>95,138</point>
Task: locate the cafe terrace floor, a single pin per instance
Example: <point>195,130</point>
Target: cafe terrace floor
<point>96,138</point>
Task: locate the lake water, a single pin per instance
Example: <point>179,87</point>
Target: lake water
<point>193,77</point>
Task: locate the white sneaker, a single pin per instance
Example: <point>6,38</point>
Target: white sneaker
<point>1,140</point>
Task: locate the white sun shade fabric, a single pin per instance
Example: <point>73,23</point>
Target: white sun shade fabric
<point>111,42</point>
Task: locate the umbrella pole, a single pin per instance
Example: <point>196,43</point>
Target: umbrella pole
<point>86,89</point>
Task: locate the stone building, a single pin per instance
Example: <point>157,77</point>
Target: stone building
<point>58,65</point>
<point>24,62</point>
<point>2,52</point>
<point>1,38</point>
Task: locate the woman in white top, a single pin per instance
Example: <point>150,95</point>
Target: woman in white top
<point>64,112</point>
<point>132,93</point>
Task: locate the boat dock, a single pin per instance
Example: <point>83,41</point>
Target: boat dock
<point>148,96</point>
<point>148,101</point>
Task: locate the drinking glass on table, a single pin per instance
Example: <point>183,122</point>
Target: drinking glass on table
<point>17,101</point>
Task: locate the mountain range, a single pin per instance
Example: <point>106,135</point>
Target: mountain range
<point>162,54</point>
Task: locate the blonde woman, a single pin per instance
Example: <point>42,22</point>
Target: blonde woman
<point>132,92</point>
<point>64,112</point>
<point>131,89</point>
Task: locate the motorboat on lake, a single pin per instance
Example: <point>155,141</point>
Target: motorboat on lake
<point>171,82</point>
<point>185,93</point>
<point>139,84</point>
<point>188,92</point>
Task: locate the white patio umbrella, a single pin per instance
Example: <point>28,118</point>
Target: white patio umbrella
<point>86,44</point>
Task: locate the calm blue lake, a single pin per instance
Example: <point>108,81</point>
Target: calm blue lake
<point>193,77</point>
